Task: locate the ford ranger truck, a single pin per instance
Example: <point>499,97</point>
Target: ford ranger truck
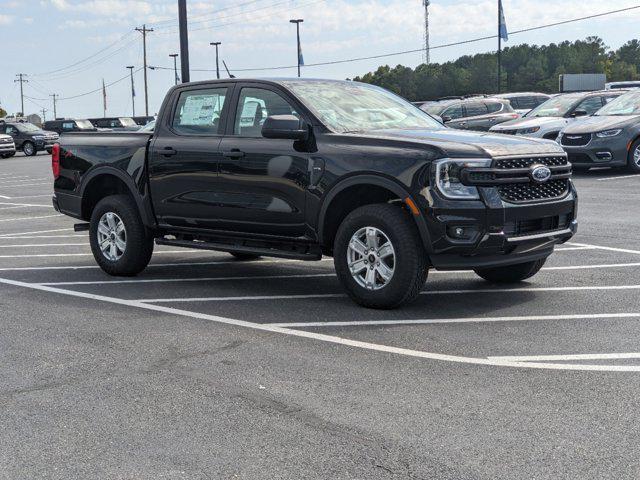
<point>299,169</point>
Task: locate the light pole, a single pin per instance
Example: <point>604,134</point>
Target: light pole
<point>298,21</point>
<point>184,40</point>
<point>133,91</point>
<point>216,44</point>
<point>175,66</point>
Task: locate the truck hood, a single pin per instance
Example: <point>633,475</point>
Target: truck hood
<point>459,143</point>
<point>527,122</point>
<point>600,123</point>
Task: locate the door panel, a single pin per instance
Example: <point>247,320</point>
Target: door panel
<point>262,182</point>
<point>184,157</point>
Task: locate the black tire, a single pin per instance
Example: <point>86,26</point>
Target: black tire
<point>511,273</point>
<point>410,265</point>
<point>632,164</point>
<point>29,149</point>
<point>245,257</point>
<point>8,155</point>
<point>49,150</point>
<point>139,244</point>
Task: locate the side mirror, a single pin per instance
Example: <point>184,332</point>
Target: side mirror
<point>579,113</point>
<point>287,127</point>
<point>446,118</point>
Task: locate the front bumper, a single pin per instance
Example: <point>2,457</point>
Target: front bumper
<point>6,148</point>
<point>599,152</point>
<point>499,233</point>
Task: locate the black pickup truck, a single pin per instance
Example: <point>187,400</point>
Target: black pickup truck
<point>305,168</point>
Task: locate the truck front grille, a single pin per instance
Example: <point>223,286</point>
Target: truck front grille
<point>537,225</point>
<point>513,178</point>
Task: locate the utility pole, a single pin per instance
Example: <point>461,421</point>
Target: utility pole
<point>133,91</point>
<point>300,61</point>
<point>216,44</point>
<point>144,30</point>
<point>175,67</point>
<point>22,81</point>
<point>55,111</point>
<point>44,115</point>
<point>184,40</point>
<point>427,47</point>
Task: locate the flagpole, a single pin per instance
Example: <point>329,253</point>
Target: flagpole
<point>499,46</point>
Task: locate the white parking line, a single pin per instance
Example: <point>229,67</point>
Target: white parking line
<point>29,218</point>
<point>610,249</point>
<point>618,178</point>
<point>26,205</point>
<point>426,292</point>
<point>45,255</point>
<point>23,237</point>
<point>28,196</point>
<point>24,185</point>
<point>32,245</point>
<point>36,232</point>
<point>556,358</point>
<point>569,249</point>
<point>20,180</point>
<point>326,338</point>
<point>439,321</point>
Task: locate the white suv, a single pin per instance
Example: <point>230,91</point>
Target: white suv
<point>7,146</point>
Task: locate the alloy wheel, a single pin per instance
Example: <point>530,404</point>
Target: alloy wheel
<point>371,258</point>
<point>636,156</point>
<point>112,236</point>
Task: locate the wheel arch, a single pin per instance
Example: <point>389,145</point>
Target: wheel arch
<point>104,181</point>
<point>362,190</point>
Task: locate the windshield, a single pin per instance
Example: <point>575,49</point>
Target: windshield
<point>27,127</point>
<point>127,122</point>
<point>357,107</point>
<point>627,104</point>
<point>84,124</point>
<point>554,107</point>
<point>149,127</point>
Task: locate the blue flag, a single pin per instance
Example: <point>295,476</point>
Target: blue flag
<point>300,56</point>
<point>502,25</point>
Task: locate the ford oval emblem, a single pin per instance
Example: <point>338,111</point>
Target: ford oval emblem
<point>540,174</point>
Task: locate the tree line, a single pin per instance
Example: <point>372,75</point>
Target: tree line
<point>524,68</point>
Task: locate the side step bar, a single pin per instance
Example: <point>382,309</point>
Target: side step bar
<point>81,227</point>
<point>310,253</point>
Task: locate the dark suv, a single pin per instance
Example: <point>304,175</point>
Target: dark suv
<point>471,113</point>
<point>29,138</point>
<point>115,123</point>
<point>64,125</point>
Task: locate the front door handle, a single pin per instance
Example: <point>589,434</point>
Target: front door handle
<point>233,154</point>
<point>168,152</point>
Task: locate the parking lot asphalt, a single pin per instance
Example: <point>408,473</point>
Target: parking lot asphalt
<point>204,367</point>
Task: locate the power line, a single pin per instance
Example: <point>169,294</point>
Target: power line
<point>419,50</point>
<point>98,89</point>
<point>171,23</point>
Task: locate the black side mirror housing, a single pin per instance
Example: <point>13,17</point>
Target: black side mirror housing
<point>286,127</point>
<point>445,118</point>
<point>579,113</point>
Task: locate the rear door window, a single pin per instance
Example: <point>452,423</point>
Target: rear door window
<point>198,111</point>
<point>494,107</point>
<point>476,109</point>
<point>453,112</point>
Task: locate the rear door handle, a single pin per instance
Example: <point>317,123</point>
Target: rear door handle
<point>168,152</point>
<point>233,154</point>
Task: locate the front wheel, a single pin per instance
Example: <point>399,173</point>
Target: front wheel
<point>119,240</point>
<point>29,149</point>
<point>633,162</point>
<point>511,273</point>
<point>379,257</point>
<point>8,155</point>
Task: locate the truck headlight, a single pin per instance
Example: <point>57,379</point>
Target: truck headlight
<point>38,137</point>
<point>609,133</point>
<point>528,131</point>
<point>448,177</point>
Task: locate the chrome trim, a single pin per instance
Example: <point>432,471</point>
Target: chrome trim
<point>537,236</point>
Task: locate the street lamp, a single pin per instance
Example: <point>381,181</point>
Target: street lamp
<point>216,44</point>
<point>298,21</point>
<point>133,91</point>
<point>175,66</point>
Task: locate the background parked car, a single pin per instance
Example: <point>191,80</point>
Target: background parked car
<point>546,120</point>
<point>475,113</point>
<point>29,138</point>
<point>115,123</point>
<point>524,102</point>
<point>142,121</point>
<point>623,85</point>
<point>69,125</point>
<point>611,137</point>
<point>7,146</point>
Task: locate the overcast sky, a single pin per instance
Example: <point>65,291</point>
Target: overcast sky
<point>47,38</point>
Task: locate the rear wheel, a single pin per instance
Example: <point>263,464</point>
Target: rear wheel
<point>119,240</point>
<point>379,256</point>
<point>633,162</point>
<point>511,273</point>
<point>29,149</point>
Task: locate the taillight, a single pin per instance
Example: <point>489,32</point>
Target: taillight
<point>55,160</point>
